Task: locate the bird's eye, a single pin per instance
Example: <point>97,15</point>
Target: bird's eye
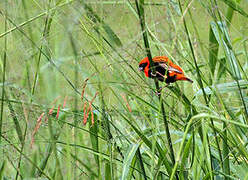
<point>144,65</point>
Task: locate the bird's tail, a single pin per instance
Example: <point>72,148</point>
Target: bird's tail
<point>186,79</point>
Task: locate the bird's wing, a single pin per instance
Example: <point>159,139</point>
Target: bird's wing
<point>169,68</point>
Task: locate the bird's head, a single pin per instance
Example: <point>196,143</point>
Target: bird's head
<point>144,64</point>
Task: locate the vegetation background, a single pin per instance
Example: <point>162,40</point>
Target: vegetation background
<point>74,106</point>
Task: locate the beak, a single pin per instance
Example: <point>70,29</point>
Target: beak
<point>141,69</point>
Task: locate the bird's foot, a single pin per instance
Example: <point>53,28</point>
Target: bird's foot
<point>161,88</point>
<point>158,93</point>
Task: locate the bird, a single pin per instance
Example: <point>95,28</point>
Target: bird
<point>165,70</point>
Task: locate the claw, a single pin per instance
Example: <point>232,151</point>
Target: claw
<point>161,88</point>
<point>158,93</point>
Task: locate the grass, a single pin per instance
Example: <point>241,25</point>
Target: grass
<point>75,106</point>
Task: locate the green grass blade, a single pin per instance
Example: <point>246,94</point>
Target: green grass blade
<point>15,120</point>
<point>141,164</point>
<point>3,76</point>
<point>183,162</point>
<point>213,50</point>
<point>224,40</point>
<point>108,174</point>
<point>111,35</point>
<point>226,163</point>
<point>114,39</point>
<point>229,14</point>
<point>224,88</point>
<point>128,157</point>
<point>131,171</point>
<point>93,128</point>
<point>2,169</point>
<point>235,6</point>
<point>181,148</point>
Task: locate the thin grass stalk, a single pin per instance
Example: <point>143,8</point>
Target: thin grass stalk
<point>22,149</point>
<point>31,36</point>
<point>201,43</point>
<point>141,163</point>
<point>246,55</point>
<point>109,172</point>
<point>45,35</point>
<point>226,165</point>
<point>38,62</point>
<point>229,15</point>
<point>243,101</point>
<point>213,58</point>
<point>106,127</point>
<point>74,49</point>
<point>140,10</point>
<point>4,72</point>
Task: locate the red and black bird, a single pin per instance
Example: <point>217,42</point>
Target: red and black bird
<point>165,70</point>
